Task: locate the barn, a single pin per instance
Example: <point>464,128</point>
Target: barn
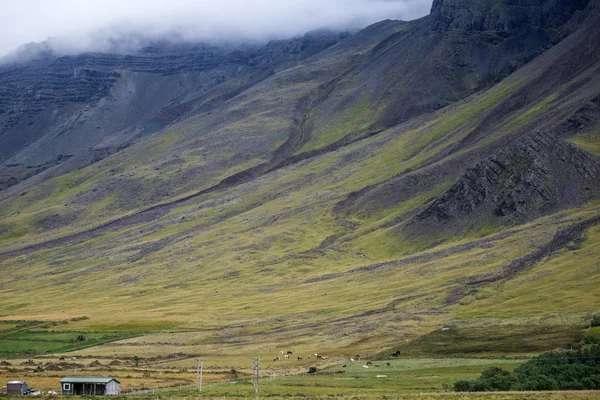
<point>90,386</point>
<point>16,387</point>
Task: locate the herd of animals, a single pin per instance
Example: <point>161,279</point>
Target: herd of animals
<point>289,354</point>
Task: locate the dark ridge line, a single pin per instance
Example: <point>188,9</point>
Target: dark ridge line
<point>323,93</point>
<point>560,240</point>
<point>483,243</point>
<point>159,210</point>
<point>345,141</point>
<point>299,135</point>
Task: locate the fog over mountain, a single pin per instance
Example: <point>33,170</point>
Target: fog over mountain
<point>75,25</point>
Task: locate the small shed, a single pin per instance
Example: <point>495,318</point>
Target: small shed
<point>16,387</point>
<point>90,386</point>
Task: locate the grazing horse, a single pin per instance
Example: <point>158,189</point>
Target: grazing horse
<point>357,356</point>
<point>309,356</point>
<point>289,352</point>
<point>319,356</point>
<point>276,359</point>
<point>61,359</point>
<point>388,364</point>
<point>300,358</point>
<point>286,356</point>
<point>352,359</point>
<point>369,363</point>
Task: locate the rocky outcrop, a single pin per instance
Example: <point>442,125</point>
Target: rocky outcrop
<point>26,91</point>
<point>505,16</point>
<point>538,175</point>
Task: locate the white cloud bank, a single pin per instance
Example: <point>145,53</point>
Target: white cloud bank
<point>80,25</point>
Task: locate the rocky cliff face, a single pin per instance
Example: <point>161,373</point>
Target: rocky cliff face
<point>464,46</point>
<point>52,107</point>
<point>52,82</point>
<point>537,175</point>
<point>504,16</point>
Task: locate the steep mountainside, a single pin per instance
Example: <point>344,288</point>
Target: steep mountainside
<point>55,108</point>
<point>342,196</point>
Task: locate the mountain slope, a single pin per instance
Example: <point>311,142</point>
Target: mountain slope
<point>479,214</point>
<point>55,108</point>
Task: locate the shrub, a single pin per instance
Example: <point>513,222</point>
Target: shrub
<point>538,382</point>
<point>462,386</point>
<point>312,370</point>
<point>493,372</point>
<point>596,320</point>
<point>589,339</point>
<point>569,370</point>
<point>591,383</point>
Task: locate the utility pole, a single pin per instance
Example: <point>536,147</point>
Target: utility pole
<point>199,374</point>
<point>255,376</point>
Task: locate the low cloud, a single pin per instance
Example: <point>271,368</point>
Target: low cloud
<point>95,25</point>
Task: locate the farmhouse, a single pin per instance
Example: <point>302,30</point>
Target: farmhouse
<point>90,386</point>
<point>16,387</point>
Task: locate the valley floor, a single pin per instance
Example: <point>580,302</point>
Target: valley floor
<point>177,379</point>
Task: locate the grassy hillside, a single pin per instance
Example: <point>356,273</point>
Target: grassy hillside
<point>232,233</point>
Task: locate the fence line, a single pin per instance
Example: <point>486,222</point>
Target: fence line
<point>156,390</point>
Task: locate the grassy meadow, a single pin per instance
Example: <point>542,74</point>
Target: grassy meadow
<point>402,378</point>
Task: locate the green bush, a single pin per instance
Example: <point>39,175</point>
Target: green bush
<point>462,386</point>
<point>596,320</point>
<point>538,382</point>
<point>569,370</point>
<point>589,339</point>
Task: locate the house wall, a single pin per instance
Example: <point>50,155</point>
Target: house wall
<point>80,388</point>
<point>69,391</point>
<point>16,388</point>
<point>113,388</point>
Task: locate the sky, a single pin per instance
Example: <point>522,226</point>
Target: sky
<point>85,25</point>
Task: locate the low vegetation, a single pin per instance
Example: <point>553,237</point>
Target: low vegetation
<point>570,370</point>
<point>30,338</point>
